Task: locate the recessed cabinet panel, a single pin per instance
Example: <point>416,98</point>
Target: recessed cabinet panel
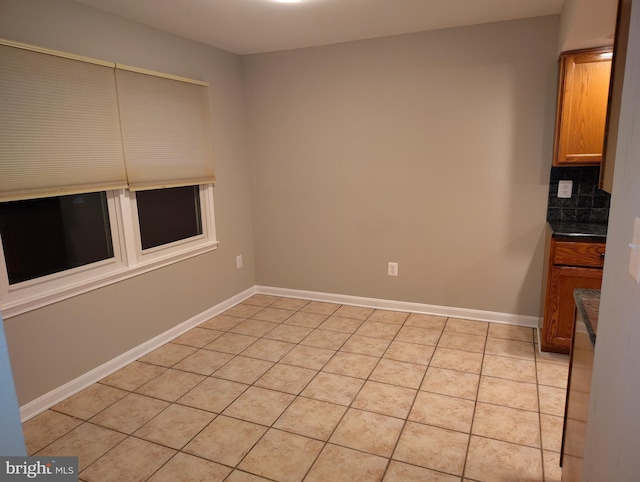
<point>583,94</point>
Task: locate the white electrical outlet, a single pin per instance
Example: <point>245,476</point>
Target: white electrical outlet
<point>239,261</point>
<point>564,189</point>
<point>392,269</point>
<point>634,259</point>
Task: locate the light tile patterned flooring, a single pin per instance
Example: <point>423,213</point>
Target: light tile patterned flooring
<point>287,390</point>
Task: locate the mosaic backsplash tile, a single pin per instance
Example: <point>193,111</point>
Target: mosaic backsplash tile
<point>587,204</point>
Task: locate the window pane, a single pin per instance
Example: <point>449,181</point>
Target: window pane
<point>46,236</point>
<point>168,215</point>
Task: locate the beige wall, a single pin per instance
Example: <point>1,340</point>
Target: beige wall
<point>432,150</point>
<point>55,344</point>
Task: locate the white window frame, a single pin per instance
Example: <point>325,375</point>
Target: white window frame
<point>129,259</point>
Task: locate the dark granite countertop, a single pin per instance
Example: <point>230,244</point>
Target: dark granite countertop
<point>578,230</point>
<point>588,303</point>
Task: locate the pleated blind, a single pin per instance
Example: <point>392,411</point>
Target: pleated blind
<point>59,125</point>
<point>166,129</point>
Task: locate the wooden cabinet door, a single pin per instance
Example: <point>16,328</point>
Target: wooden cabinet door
<point>559,310</point>
<point>582,107</point>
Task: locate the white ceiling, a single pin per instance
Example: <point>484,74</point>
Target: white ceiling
<point>254,26</point>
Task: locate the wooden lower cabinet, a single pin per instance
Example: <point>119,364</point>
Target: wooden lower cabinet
<point>569,265</point>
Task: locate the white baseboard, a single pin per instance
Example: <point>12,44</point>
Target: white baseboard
<point>53,397</point>
<point>448,311</point>
<point>59,394</point>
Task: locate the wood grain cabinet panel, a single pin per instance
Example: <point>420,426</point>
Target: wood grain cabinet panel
<point>583,93</point>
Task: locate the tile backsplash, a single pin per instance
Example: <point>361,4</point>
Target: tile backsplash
<point>587,203</point>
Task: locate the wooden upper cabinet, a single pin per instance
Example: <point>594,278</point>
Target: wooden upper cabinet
<point>583,93</point>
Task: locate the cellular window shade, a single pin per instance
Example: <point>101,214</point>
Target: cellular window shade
<point>165,130</point>
<point>59,126</point>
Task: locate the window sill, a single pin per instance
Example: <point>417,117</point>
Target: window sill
<point>20,300</point>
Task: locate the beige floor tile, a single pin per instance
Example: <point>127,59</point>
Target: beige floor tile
<point>293,304</point>
<point>213,394</point>
<point>451,382</point>
<point>311,418</point>
<point>232,343</point>
<point>130,413</point>
<point>409,352</point>
<point>378,329</point>
<point>90,401</point>
<point>222,322</point>
<point>168,355</point>
<point>552,400</point>
<point>552,374</point>
<point>132,459</point>
<point>286,378</point>
<point>289,333</point>
<point>308,357</point>
<point>507,424</point>
<point>462,341</point>
<point>261,300</point>
<point>308,320</point>
<point>401,472</point>
<point>366,345</point>
<point>443,411</point>
<point>369,432</point>
<point>225,440</point>
<point>417,334</point>
<point>203,362</point>
<point>270,350</point>
<point>88,442</point>
<point>170,385</point>
<point>551,466</point>
<point>550,357</point>
<point>253,327</point>
<point>340,463</point>
<point>462,361</point>
<point>432,448</point>
<point>431,322</point>
<point>244,310</point>
<point>241,476</point>
<point>273,315</point>
<point>351,365</point>
<point>133,376</point>
<point>45,428</point>
<point>399,373</point>
<point>333,388</point>
<point>508,393</point>
<point>510,348</point>
<point>511,332</point>
<point>469,327</point>
<point>175,426</point>
<point>259,405</point>
<point>193,469</point>
<point>385,399</point>
<point>197,337</point>
<point>493,460</point>
<point>325,339</point>
<point>340,324</point>
<point>321,307</point>
<point>551,428</point>
<point>356,312</point>
<point>385,316</point>
<point>282,456</point>
<point>243,370</point>
<point>510,368</point>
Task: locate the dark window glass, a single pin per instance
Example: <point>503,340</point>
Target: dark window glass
<point>168,215</point>
<point>46,236</point>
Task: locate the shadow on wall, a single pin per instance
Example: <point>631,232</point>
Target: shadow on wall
<point>11,437</point>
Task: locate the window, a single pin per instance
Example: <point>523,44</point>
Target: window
<point>106,171</point>
<point>45,236</point>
